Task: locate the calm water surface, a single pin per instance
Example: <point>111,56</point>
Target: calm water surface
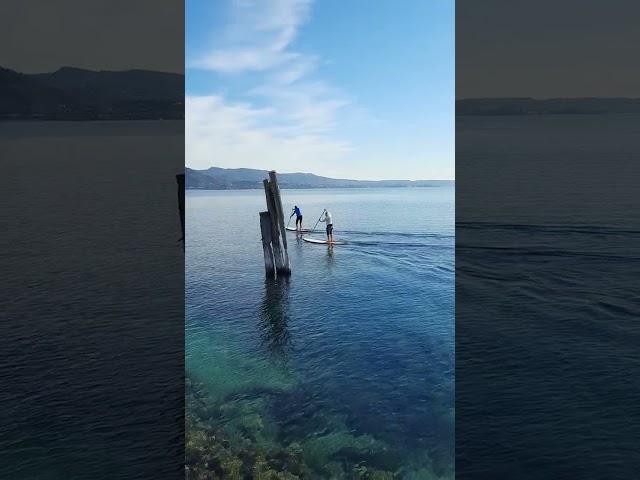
<point>547,257</point>
<point>353,357</point>
<point>92,301</point>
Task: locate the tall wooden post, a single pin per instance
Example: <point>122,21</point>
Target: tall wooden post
<point>265,230</point>
<point>180,181</point>
<point>277,227</point>
<point>275,190</point>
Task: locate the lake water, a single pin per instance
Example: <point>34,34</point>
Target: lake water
<point>344,369</point>
<point>92,301</point>
<point>547,329</point>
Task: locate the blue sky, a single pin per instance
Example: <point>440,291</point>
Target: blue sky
<point>350,88</point>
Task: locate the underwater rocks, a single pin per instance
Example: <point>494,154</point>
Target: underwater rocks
<point>208,456</point>
<point>240,439</point>
<point>319,452</point>
<point>232,441</point>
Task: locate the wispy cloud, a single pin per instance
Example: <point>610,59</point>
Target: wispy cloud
<point>287,116</point>
<point>240,135</point>
<point>257,37</point>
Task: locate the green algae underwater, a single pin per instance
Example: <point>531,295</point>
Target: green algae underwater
<point>344,370</point>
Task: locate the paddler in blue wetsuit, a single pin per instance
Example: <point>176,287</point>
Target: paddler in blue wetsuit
<point>298,214</point>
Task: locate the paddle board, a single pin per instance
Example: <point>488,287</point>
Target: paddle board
<point>317,240</point>
<point>304,230</point>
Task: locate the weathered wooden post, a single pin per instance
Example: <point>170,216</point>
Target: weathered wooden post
<point>265,230</point>
<point>275,190</point>
<point>278,257</point>
<point>180,181</point>
<point>277,228</point>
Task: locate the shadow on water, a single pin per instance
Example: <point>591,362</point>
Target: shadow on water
<point>274,319</point>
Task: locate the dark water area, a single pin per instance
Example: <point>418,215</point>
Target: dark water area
<point>92,301</point>
<point>350,361</point>
<point>547,304</point>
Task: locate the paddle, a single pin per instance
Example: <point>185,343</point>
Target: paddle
<point>314,227</point>
<point>289,219</point>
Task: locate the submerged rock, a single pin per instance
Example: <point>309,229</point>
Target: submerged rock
<point>239,440</point>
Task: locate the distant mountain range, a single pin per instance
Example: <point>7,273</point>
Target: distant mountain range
<point>216,178</point>
<point>77,94</point>
<point>552,106</point>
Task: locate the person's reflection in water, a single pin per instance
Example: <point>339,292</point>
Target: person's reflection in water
<point>274,319</point>
<point>330,258</point>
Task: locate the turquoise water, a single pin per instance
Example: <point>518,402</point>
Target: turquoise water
<point>349,363</point>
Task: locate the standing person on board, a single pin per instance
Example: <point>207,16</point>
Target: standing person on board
<point>296,211</point>
<point>329,221</point>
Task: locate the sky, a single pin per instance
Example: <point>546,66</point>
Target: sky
<point>547,48</point>
<point>346,89</point>
<point>43,35</point>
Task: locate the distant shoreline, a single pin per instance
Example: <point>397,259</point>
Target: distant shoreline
<point>216,178</point>
<point>76,94</point>
<point>446,183</point>
<point>89,119</point>
<point>551,106</point>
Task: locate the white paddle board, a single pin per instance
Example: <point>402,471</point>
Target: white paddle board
<point>304,230</point>
<point>319,241</point>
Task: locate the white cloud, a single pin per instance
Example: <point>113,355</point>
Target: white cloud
<point>310,107</point>
<point>258,37</point>
<point>239,135</point>
<point>296,69</point>
<point>288,121</point>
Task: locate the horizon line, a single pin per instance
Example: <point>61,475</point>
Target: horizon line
<point>547,98</point>
<point>94,70</point>
<point>332,178</point>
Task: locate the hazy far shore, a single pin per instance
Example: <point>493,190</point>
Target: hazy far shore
<point>216,178</point>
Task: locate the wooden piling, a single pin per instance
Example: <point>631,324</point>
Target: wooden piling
<point>275,190</point>
<point>180,181</point>
<point>265,230</point>
<point>278,245</point>
<point>275,229</point>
